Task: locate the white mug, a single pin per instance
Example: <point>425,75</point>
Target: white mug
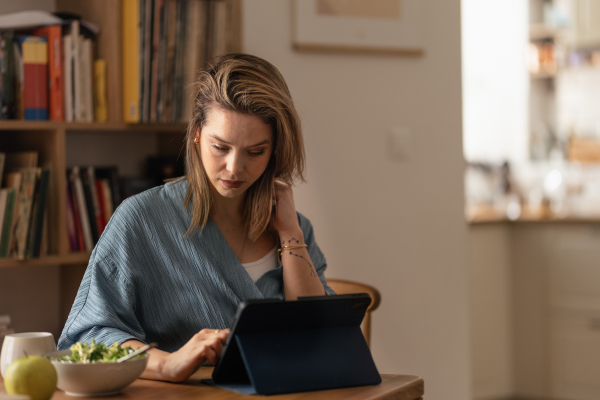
<point>16,345</point>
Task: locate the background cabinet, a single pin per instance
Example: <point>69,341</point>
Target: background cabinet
<point>557,309</point>
<point>586,24</point>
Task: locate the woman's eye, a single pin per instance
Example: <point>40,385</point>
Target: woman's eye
<point>257,153</point>
<point>219,148</point>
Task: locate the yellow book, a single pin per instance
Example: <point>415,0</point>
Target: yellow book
<point>100,107</point>
<point>131,61</point>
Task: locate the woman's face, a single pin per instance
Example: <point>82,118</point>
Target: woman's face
<point>235,149</point>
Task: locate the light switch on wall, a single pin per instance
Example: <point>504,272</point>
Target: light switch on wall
<point>399,143</point>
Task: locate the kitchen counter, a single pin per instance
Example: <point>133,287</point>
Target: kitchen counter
<point>482,214</point>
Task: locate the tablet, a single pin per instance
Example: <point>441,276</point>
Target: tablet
<point>313,343</point>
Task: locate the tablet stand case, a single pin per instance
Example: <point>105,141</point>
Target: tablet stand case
<point>309,346</point>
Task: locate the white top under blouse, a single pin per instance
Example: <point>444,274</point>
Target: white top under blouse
<point>256,269</point>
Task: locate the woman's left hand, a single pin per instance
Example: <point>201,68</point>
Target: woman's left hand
<point>284,216</point>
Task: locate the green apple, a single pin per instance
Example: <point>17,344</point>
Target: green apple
<point>31,375</point>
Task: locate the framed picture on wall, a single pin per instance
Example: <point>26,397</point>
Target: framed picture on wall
<point>359,26</point>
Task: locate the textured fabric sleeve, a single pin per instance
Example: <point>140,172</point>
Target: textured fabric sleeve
<point>105,305</point>
<point>316,256</point>
<point>103,309</point>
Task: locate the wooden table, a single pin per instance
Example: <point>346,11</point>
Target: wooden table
<point>397,387</point>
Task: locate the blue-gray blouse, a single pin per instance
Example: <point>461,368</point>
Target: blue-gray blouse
<point>148,282</point>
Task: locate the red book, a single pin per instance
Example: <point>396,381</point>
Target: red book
<point>53,35</point>
<point>102,220</point>
<point>35,77</point>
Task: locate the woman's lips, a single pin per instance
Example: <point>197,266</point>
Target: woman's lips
<point>232,184</point>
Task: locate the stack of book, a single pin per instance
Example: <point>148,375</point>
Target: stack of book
<point>165,44</point>
<point>92,196</point>
<point>5,327</point>
<point>48,70</point>
<point>23,204</point>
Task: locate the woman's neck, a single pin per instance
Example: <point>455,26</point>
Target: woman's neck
<point>228,210</point>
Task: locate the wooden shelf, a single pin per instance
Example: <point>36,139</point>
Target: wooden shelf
<point>483,214</point>
<point>19,125</point>
<point>70,259</point>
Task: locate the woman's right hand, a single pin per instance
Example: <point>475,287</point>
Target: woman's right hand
<point>205,345</point>
<point>178,366</point>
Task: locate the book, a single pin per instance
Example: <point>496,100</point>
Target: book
<point>86,60</point>
<point>147,16</point>
<point>220,28</point>
<point>9,105</point>
<point>34,242</point>
<point>34,50</point>
<point>100,106</point>
<point>111,174</point>
<point>71,230</point>
<point>158,10</point>
<point>17,248</point>
<point>171,9</point>
<point>1,77</point>
<point>194,59</point>
<point>78,80</point>
<point>68,78</point>
<point>3,196</point>
<point>131,62</point>
<point>76,215</point>
<point>161,84</point>
<point>103,220</point>
<point>109,208</point>
<point>89,184</point>
<point>53,35</point>
<point>13,182</point>
<point>45,235</point>
<point>178,62</point>
<point>209,31</point>
<point>19,85</point>
<point>82,208</point>
<point>2,159</point>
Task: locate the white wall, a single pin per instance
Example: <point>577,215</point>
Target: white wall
<point>495,80</point>
<point>397,225</point>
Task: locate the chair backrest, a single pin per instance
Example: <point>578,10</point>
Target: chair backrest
<point>347,287</point>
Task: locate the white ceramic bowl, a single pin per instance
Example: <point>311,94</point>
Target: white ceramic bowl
<point>98,379</point>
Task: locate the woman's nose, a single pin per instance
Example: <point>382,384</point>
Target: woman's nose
<point>235,163</point>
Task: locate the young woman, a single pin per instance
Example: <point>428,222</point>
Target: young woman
<point>175,261</point>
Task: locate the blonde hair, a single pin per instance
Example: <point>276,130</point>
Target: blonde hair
<point>246,84</point>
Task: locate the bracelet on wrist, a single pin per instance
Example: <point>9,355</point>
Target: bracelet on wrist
<point>284,248</point>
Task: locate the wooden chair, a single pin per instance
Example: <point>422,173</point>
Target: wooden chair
<point>348,287</point>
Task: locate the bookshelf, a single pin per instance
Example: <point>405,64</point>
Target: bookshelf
<point>50,138</point>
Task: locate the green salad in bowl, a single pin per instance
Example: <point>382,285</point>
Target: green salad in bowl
<point>91,369</point>
<point>96,353</point>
